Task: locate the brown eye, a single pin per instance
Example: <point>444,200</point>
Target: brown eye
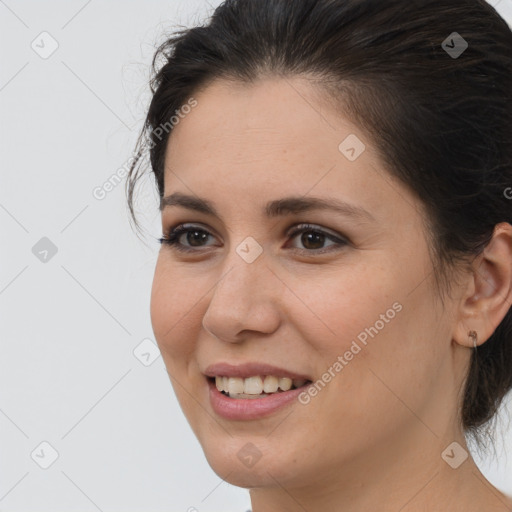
<point>313,239</point>
<point>195,237</point>
<point>184,238</point>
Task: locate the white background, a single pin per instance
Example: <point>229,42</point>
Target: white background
<point>69,326</point>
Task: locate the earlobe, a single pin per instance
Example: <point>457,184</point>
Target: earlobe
<point>489,294</point>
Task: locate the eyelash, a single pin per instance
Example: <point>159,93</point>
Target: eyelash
<point>172,236</point>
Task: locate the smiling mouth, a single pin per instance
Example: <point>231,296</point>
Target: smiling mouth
<point>256,386</point>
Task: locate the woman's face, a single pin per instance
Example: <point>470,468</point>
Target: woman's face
<point>355,314</point>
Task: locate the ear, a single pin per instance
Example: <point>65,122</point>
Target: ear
<point>488,295</point>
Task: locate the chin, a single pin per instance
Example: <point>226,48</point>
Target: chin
<point>237,474</point>
<point>238,462</point>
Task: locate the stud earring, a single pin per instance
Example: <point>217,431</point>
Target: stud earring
<point>474,336</point>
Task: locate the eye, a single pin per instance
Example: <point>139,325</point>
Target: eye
<point>195,236</point>
<point>313,238</point>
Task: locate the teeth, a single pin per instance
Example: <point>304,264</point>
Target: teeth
<point>285,383</point>
<point>297,383</point>
<point>256,386</point>
<point>243,395</point>
<point>236,385</point>
<point>251,386</point>
<point>270,384</point>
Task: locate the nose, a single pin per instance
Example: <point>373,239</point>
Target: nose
<point>245,300</point>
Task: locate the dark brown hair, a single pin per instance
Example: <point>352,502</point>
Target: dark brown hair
<point>441,122</point>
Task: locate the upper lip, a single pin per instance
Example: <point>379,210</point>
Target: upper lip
<point>246,370</point>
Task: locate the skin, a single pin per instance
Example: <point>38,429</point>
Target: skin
<point>372,438</point>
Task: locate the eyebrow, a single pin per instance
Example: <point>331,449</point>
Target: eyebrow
<point>275,208</point>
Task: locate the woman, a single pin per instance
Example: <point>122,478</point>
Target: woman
<point>332,295</point>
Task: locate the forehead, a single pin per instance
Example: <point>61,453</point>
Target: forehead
<point>274,137</point>
<point>272,110</point>
<point>244,126</point>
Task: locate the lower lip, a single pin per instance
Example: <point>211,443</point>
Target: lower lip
<point>250,408</point>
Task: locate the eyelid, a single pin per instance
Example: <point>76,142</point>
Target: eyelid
<point>172,235</point>
<point>307,226</point>
<point>339,240</point>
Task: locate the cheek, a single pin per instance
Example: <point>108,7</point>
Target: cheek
<point>176,321</point>
<point>174,311</point>
<point>365,325</point>
<point>342,306</point>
